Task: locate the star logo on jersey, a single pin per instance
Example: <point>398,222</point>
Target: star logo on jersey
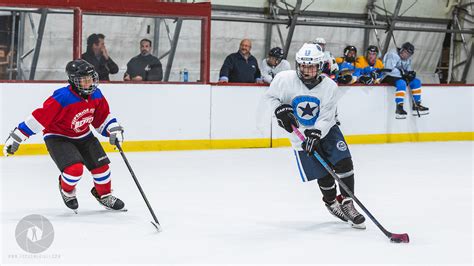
<point>306,109</point>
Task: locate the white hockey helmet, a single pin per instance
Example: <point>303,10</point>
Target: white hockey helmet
<point>319,40</point>
<point>310,54</point>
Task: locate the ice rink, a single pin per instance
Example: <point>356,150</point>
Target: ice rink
<point>250,206</point>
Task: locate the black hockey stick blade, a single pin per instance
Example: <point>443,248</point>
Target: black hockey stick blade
<point>157,226</point>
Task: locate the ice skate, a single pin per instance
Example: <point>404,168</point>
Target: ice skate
<point>69,198</point>
<point>335,209</point>
<point>355,218</point>
<point>418,108</point>
<point>400,113</point>
<point>109,201</point>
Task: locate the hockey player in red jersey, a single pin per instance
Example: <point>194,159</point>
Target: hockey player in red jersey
<point>65,120</point>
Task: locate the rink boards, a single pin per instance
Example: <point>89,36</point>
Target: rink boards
<point>194,116</point>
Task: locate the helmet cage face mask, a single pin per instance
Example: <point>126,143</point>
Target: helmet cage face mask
<point>85,84</point>
<point>309,56</point>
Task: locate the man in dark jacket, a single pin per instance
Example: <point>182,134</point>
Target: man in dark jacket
<point>144,66</point>
<point>98,56</point>
<point>241,66</point>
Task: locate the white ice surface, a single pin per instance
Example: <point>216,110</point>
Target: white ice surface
<point>250,206</point>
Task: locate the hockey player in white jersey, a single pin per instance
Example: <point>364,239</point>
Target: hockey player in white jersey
<point>330,66</point>
<point>307,100</point>
<point>274,64</point>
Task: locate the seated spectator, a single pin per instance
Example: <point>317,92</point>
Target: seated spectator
<point>98,56</point>
<point>348,73</point>
<point>241,66</point>
<point>370,66</point>
<point>402,74</point>
<point>330,66</point>
<point>144,66</point>
<point>274,64</point>
<point>4,60</point>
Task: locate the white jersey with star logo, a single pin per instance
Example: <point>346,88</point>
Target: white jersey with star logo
<point>314,109</point>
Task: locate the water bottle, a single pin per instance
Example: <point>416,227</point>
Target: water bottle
<point>185,75</point>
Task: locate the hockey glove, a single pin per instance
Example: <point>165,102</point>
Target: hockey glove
<point>311,144</point>
<point>13,142</point>
<point>115,133</point>
<point>286,117</point>
<point>410,76</point>
<point>344,79</point>
<point>366,80</point>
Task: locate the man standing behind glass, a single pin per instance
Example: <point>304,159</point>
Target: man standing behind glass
<point>145,66</point>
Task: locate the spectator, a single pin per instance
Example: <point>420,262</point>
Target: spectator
<point>330,66</point>
<point>274,64</point>
<point>241,66</point>
<point>4,60</point>
<point>402,74</point>
<point>370,66</point>
<point>98,56</point>
<point>144,66</point>
<point>348,73</point>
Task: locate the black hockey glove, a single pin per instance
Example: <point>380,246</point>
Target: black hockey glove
<point>366,80</point>
<point>345,79</point>
<point>286,117</point>
<point>311,144</point>
<point>409,76</point>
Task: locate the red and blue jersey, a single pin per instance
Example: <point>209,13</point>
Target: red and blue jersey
<point>67,114</point>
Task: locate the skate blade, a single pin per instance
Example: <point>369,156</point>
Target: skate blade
<point>400,116</point>
<point>360,226</point>
<point>421,113</point>
<point>113,210</point>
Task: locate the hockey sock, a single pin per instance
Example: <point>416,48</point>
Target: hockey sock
<point>102,181</point>
<point>328,188</point>
<point>344,170</point>
<point>70,176</point>
<point>349,182</point>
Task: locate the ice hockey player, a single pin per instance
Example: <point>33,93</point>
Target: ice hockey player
<point>330,66</point>
<point>348,73</point>
<point>370,66</point>
<point>402,74</point>
<point>274,64</point>
<point>65,120</point>
<point>307,99</point>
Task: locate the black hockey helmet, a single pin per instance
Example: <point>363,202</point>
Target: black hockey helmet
<point>79,69</point>
<point>348,49</point>
<point>276,52</point>
<point>408,47</point>
<point>372,49</point>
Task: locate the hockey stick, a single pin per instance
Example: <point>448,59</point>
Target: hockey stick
<point>156,224</point>
<point>396,238</point>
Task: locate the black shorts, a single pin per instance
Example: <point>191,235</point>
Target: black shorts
<point>390,80</point>
<point>66,152</point>
<point>333,150</point>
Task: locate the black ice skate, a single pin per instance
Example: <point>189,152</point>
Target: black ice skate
<point>355,218</point>
<point>109,201</point>
<point>335,209</point>
<point>418,108</point>
<point>69,198</point>
<point>400,113</point>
